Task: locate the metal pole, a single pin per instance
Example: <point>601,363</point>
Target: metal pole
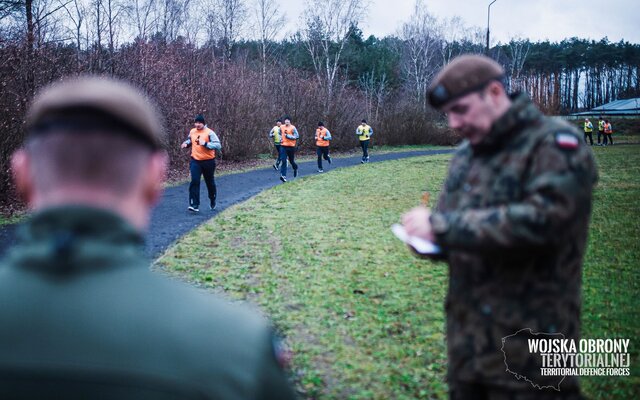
<point>488,14</point>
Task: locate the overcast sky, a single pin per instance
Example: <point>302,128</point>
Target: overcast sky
<point>533,19</point>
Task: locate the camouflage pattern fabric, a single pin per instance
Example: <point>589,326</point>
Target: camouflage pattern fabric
<point>513,218</point>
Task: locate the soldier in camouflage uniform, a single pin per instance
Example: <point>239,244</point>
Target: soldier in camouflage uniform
<point>82,316</point>
<point>512,220</point>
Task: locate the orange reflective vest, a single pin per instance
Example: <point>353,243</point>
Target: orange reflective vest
<point>199,152</point>
<point>287,130</point>
<point>321,133</point>
<point>607,128</point>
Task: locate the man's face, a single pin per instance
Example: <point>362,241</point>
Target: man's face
<point>287,122</point>
<point>199,125</point>
<point>472,115</point>
<point>278,123</point>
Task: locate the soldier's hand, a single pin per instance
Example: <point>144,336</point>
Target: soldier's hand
<point>416,223</point>
<point>183,146</point>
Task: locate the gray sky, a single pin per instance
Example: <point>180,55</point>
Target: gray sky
<point>533,19</point>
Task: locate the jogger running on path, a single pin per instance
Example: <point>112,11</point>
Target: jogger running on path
<point>204,142</point>
<point>323,136</point>
<point>364,133</point>
<point>276,135</point>
<point>288,149</point>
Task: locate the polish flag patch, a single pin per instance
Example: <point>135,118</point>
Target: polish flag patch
<point>567,141</point>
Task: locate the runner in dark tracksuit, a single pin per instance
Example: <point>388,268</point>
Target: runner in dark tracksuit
<point>322,137</point>
<point>288,148</point>
<point>204,142</point>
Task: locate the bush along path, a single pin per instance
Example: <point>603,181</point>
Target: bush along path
<point>170,219</point>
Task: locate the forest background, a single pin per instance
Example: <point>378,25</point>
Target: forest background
<point>244,63</point>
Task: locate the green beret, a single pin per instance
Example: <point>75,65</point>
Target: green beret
<point>463,75</point>
<point>95,103</point>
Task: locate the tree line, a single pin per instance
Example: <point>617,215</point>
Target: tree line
<point>244,63</point>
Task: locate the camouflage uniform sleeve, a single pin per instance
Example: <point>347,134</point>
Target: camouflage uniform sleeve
<point>556,190</point>
<point>274,383</point>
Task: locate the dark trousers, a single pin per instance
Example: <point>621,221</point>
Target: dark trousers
<point>206,168</point>
<point>604,138</point>
<point>278,160</point>
<point>322,152</point>
<point>365,149</point>
<point>290,153</point>
<point>600,134</point>
<point>608,136</point>
<point>590,136</point>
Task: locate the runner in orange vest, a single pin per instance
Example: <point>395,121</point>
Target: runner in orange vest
<point>204,142</point>
<point>608,132</point>
<point>323,136</point>
<point>288,148</point>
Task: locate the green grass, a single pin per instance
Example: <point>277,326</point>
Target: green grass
<point>5,220</point>
<point>364,318</point>
<point>611,279</point>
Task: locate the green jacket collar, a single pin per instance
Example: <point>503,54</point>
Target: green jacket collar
<point>76,237</point>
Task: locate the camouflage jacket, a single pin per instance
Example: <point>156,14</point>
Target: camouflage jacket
<point>513,218</point>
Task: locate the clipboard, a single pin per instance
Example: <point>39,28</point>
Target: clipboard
<point>420,245</point>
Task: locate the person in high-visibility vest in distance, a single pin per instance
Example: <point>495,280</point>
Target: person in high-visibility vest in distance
<point>276,135</point>
<point>323,136</point>
<point>608,132</point>
<point>588,129</point>
<point>600,130</point>
<point>288,148</point>
<point>204,142</point>
<point>364,133</point>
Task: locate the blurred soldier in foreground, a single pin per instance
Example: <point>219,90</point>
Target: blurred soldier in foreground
<point>82,316</point>
<point>512,220</point>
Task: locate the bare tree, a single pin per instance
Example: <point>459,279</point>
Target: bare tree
<point>269,22</point>
<point>227,19</point>
<point>141,12</point>
<point>113,11</point>
<point>453,31</point>
<point>173,17</point>
<point>375,90</point>
<point>518,51</point>
<point>77,14</point>
<point>329,23</point>
<point>422,42</point>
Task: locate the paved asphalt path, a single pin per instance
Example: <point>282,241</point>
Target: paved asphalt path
<point>170,219</point>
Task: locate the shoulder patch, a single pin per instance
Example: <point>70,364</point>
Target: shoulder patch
<point>566,140</point>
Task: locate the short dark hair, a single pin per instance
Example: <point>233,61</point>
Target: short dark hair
<point>95,159</point>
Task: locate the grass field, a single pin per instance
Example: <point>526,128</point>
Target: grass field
<point>363,317</point>
<point>11,219</point>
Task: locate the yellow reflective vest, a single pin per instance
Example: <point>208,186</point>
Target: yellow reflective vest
<point>364,132</point>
